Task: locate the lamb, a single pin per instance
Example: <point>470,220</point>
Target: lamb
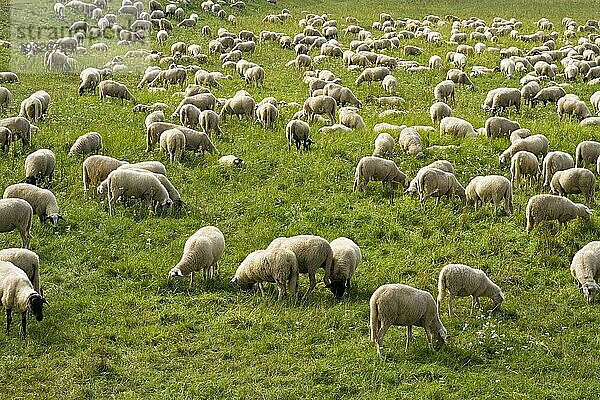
<point>459,77</point>
<point>457,127</point>
<point>231,161</point>
<point>585,269</point>
<point>189,115</point>
<point>238,105</point>
<point>312,253</point>
<point>26,260</point>
<point>500,127</point>
<point>390,84</point>
<point>346,257</point>
<point>320,105</point>
<point>444,91</point>
<point>536,144</point>
<point>397,304</point>
<point>335,128</point>
<point>297,132</point>
<point>553,162</point>
<point>350,118</point>
<point>267,114</point>
<point>411,143</point>
<point>461,280</point>
<point>39,167</point>
<point>42,201</point>
<point>523,163</point>
<point>91,142</point>
<point>17,292</point>
<point>110,88</point>
<point>384,145</point>
<point>96,169</point>
<point>586,152</point>
<point>16,214</point>
<point>275,265</point>
<point>438,111</point>
<point>548,207</point>
<point>433,182</point>
<point>574,180</point>
<point>549,95</point>
<point>372,74</point>
<point>5,138</point>
<point>173,142</point>
<point>128,183</point>
<point>490,189</point>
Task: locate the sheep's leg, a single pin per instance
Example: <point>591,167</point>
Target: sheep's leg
<point>8,319</point>
<point>474,304</point>
<point>23,324</point>
<point>380,334</point>
<point>408,336</point>
<point>191,278</point>
<point>348,283</point>
<point>311,286</point>
<point>260,287</point>
<point>281,291</point>
<point>450,301</point>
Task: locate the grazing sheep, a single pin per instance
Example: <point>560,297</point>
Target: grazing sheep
<point>26,260</point>
<point>5,98</point>
<point>504,98</point>
<point>518,134</point>
<point>346,257</point>
<point>16,214</point>
<point>341,94</point>
<point>390,84</point>
<point>189,116</point>
<point>297,132</point>
<point>507,67</point>
<point>372,74</point>
<point>350,118</point>
<point>31,108</point>
<point>553,162</point>
<point>238,105</point>
<point>411,143</point>
<point>110,88</point>
<point>20,127</point>
<point>529,91</point>
<point>457,127</point>
<point>585,268</point>
<point>396,304</point>
<point>149,76</point>
<point>536,144</point>
<point>90,78</point>
<point>8,77</point>
<point>433,182</point>
<point>152,166</point>
<point>91,142</point>
<point>312,253</point>
<point>39,167</point>
<point>194,140</point>
<point>42,201</point>
<point>171,76</point>
<point>572,106</point>
<point>96,169</point>
<point>5,138</point>
<point>204,101</point>
<point>574,180</point>
<point>500,127</point>
<point>444,91</point>
<point>435,62</point>
<point>459,77</point>
<point>412,50</point>
<point>590,121</point>
<point>490,189</point>
<point>266,115</point>
<point>255,75</point>
<point>129,182</point>
<point>154,116</point>
<point>549,95</point>
<point>201,252</point>
<point>384,145</point>
<point>173,142</point>
<point>378,169</point>
<point>548,207</point>
<point>586,152</point>
<point>438,111</point>
<point>461,280</point>
<point>320,105</point>
<point>209,121</point>
<point>17,293</point>
<point>231,161</point>
<point>274,265</point>
<point>523,163</point>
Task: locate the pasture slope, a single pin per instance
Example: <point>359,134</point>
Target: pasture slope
<point>117,328</point>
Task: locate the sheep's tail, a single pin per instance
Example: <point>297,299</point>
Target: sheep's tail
<point>441,289</point>
<point>374,328</point>
<point>293,284</point>
<point>356,177</point>
<point>86,178</point>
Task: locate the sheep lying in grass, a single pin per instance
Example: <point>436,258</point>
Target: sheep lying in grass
<point>42,201</point>
<point>346,257</point>
<point>231,161</point>
<point>461,280</point>
<point>553,162</point>
<point>585,268</point>
<point>17,293</point>
<point>402,305</point>
<point>91,142</point>
<point>16,214</point>
<point>275,265</point>
<point>312,253</point>
<point>27,260</point>
<point>574,180</point>
<point>378,169</point>
<point>457,127</point>
<point>490,189</point>
<point>433,182</point>
<point>201,252</point>
<point>548,207</point>
<point>39,167</point>
<point>586,152</point>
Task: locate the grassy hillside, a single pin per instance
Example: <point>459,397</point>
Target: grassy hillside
<point>117,328</point>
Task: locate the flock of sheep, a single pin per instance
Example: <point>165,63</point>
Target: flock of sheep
<point>196,123</point>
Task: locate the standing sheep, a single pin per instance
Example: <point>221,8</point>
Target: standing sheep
<point>110,88</point>
<point>548,207</point>
<point>457,127</point>
<point>238,105</point>
<point>320,105</point>
<point>189,116</point>
<point>574,180</point>
<point>16,214</point>
<point>42,201</point>
<point>275,265</point>
<point>96,169</point>
<point>378,169</point>
<point>523,163</point>
<point>553,162</point>
<point>585,268</point>
<point>346,257</point>
<point>490,189</point>
<point>384,145</point>
<point>26,260</point>
<point>438,111</point>
<point>372,74</point>
<point>390,84</point>
<point>172,141</point>
<point>89,143</point>
<point>297,132</point>
<point>586,152</point>
<point>20,127</point>
<point>396,304</point>
<point>201,252</point>
<point>5,139</point>
<point>209,121</point>
<point>39,167</point>
<point>411,143</point>
<point>126,183</point>
<point>5,98</point>
<point>266,115</point>
<point>433,182</point>
<point>500,127</point>
<point>461,280</point>
<point>255,75</point>
<point>444,91</point>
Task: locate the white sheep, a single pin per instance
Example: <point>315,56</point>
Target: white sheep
<point>297,132</point>
<point>201,252</point>
<point>500,127</point>
<point>172,141</point>
<point>110,88</point>
<point>385,127</point>
<point>378,169</point>
<point>553,162</point>
<point>586,152</point>
<point>390,84</point>
<point>231,161</point>
<point>548,207</point>
<point>457,127</point>
<point>39,167</point>
<point>42,201</point>
<point>433,182</point>
<point>461,280</point>
<point>189,116</point>
<point>346,257</point>
<point>585,268</point>
<point>523,163</point>
<point>266,115</point>
<point>444,91</point>
<point>209,121</point>
<point>16,214</point>
<point>17,293</point>
<point>238,105</point>
<point>350,118</point>
<point>274,265</point>
<point>5,98</point>
<point>490,189</point>
<point>320,105</point>
<point>255,75</point>
<point>536,144</point>
<point>435,62</point>
<point>397,304</point>
<point>90,142</point>
<point>27,260</point>
<point>20,127</point>
<point>372,74</point>
<point>590,121</point>
<point>96,169</point>
<point>126,183</point>
<point>411,143</point>
<point>529,91</point>
<point>384,145</point>
<point>438,111</point>
<point>154,116</point>
<point>574,180</point>
<point>312,253</point>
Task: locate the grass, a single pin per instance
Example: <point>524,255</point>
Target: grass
<point>117,328</point>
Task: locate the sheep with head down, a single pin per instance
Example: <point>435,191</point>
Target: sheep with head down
<point>585,269</point>
<point>42,201</point>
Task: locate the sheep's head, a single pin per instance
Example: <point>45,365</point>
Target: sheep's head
<point>584,212</point>
<point>54,218</point>
<point>589,290</point>
<point>35,303</point>
<point>498,297</point>
<point>175,272</point>
<point>438,338</point>
<point>238,162</point>
<point>235,281</point>
<point>337,287</point>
